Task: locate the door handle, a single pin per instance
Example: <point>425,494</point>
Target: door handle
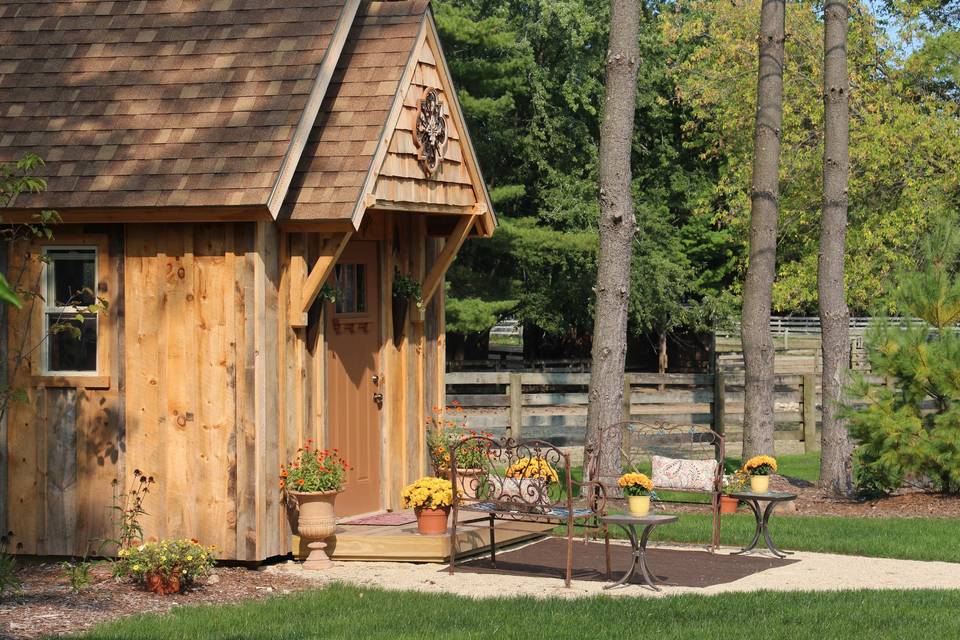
<point>378,398</point>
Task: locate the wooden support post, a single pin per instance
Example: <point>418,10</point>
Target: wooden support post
<point>516,405</point>
<point>811,442</point>
<point>4,372</point>
<point>719,401</point>
<point>297,270</point>
<point>329,254</point>
<point>627,392</point>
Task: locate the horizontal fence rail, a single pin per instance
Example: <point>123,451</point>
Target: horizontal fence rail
<point>553,406</point>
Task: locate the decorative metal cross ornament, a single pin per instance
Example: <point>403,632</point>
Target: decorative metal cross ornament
<point>431,134</point>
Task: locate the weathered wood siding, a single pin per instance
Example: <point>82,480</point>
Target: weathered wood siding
<point>64,444</point>
<point>401,179</point>
<point>192,399</point>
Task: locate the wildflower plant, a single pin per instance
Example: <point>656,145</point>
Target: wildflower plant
<point>635,484</point>
<point>760,466</point>
<point>446,429</point>
<point>314,470</point>
<point>428,493</point>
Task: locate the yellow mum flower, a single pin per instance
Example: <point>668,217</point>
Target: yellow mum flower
<point>532,467</point>
<point>635,480</point>
<point>754,465</point>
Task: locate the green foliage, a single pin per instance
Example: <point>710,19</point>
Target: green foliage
<point>911,428</point>
<point>530,73</point>
<point>314,470</point>
<point>10,583</point>
<point>77,574</point>
<point>406,287</point>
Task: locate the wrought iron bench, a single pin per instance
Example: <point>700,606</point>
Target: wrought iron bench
<point>639,442</point>
<point>489,495</point>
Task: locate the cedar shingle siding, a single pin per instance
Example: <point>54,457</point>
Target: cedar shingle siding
<point>175,103</point>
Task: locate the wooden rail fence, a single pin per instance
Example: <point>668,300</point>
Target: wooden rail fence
<point>553,406</point>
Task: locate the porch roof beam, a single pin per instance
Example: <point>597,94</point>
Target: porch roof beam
<point>439,269</point>
<point>329,254</point>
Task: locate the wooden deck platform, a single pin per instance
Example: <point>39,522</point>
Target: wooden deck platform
<point>403,543</point>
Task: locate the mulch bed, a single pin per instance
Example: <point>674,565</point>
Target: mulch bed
<point>811,501</point>
<point>46,606</point>
<point>681,568</point>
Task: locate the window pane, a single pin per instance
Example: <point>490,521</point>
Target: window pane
<point>74,277</point>
<point>351,282</point>
<point>66,350</point>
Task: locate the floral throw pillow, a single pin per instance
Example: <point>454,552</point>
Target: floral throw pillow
<point>675,473</point>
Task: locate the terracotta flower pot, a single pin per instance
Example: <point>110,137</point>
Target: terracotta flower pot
<point>639,505</point>
<point>728,504</point>
<point>157,583</point>
<point>760,484</point>
<point>432,522</point>
<point>314,519</point>
<point>468,482</point>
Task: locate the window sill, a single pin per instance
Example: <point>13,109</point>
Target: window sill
<point>86,382</point>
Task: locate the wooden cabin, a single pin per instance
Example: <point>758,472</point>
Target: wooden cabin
<point>215,165</point>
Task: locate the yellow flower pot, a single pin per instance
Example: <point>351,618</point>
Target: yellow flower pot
<point>639,505</point>
<point>760,484</point>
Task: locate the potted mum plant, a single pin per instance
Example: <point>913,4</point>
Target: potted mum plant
<point>445,429</point>
<point>527,483</point>
<point>759,469</point>
<point>430,498</point>
<point>637,487</point>
<point>732,483</point>
<point>405,289</point>
<point>311,483</point>
<point>168,566</point>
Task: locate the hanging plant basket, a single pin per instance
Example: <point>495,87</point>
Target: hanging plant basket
<point>405,289</point>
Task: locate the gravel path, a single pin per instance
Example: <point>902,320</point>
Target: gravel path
<point>814,572</point>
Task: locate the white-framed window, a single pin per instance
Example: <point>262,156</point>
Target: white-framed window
<point>70,284</point>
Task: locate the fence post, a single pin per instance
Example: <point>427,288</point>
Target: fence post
<point>719,401</point>
<point>811,442</point>
<point>516,405</point>
<point>627,391</point>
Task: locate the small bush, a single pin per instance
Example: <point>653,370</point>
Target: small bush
<point>167,566</point>
<point>872,479</point>
<point>9,581</point>
<point>77,574</point>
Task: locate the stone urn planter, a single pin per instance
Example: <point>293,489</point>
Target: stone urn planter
<point>468,482</point>
<point>432,522</point>
<point>312,518</point>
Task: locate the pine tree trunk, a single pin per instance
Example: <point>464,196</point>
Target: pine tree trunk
<point>764,210</point>
<point>836,458</point>
<point>617,229</point>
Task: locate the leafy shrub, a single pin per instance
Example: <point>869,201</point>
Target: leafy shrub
<point>9,581</point>
<point>77,574</point>
<point>872,478</point>
<point>911,428</point>
<point>182,562</point>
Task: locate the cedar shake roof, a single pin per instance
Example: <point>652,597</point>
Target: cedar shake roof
<point>270,108</point>
<point>351,122</point>
<point>161,102</point>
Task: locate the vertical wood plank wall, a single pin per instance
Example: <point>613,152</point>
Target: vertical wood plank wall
<point>210,390</point>
<point>64,445</point>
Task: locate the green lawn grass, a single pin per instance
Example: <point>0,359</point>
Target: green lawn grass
<point>348,612</point>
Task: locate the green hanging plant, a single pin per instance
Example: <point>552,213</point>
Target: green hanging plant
<point>406,288</point>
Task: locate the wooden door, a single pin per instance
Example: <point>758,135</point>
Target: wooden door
<point>353,347</point>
